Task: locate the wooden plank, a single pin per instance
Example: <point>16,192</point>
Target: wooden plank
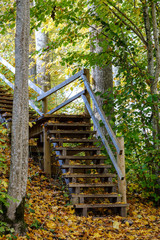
<point>109,205</point>
<point>77,148</point>
<point>68,124</point>
<point>61,85</point>
<point>71,132</point>
<point>106,195</point>
<point>88,185</point>
<point>83,175</point>
<point>35,107</point>
<point>12,69</point>
<point>102,115</point>
<point>6,81</point>
<point>82,157</point>
<point>47,153</point>
<point>95,166</point>
<point>8,65</point>
<point>66,102</point>
<point>73,140</point>
<point>104,141</point>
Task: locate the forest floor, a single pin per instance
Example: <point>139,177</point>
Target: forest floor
<point>48,214</point>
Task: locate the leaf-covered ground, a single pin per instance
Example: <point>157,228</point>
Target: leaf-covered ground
<point>49,215</point>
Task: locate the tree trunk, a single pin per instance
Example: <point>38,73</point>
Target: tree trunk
<point>43,78</point>
<point>102,77</point>
<point>20,119</point>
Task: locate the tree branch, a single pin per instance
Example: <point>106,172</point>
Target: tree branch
<point>136,30</point>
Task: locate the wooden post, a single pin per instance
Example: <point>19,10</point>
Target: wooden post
<point>122,183</point>
<point>45,102</point>
<point>87,73</point>
<point>47,153</point>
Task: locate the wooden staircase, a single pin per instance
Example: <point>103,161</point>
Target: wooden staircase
<point>71,143</point>
<point>66,146</point>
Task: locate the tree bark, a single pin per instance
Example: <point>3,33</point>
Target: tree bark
<point>20,119</point>
<point>153,71</point>
<point>43,78</point>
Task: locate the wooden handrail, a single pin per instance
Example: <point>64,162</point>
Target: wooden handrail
<point>105,143</point>
<point>102,115</point>
<point>66,102</point>
<point>61,85</point>
<point>30,83</point>
<point>11,85</point>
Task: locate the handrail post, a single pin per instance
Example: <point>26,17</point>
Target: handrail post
<point>87,74</point>
<point>122,183</point>
<point>45,102</point>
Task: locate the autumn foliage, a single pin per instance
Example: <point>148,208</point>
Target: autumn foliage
<point>49,215</point>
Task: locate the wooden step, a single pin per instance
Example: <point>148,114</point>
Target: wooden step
<point>87,132</point>
<point>108,205</point>
<point>74,124</point>
<point>83,175</point>
<point>6,98</point>
<point>106,195</point>
<point>72,140</point>
<point>8,102</point>
<point>94,157</point>
<point>5,105</point>
<point>76,148</point>
<point>86,166</point>
<point>91,185</point>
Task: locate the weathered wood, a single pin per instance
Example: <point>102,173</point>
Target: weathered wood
<point>86,166</point>
<point>90,185</point>
<point>71,132</point>
<point>82,157</point>
<point>109,205</point>
<point>106,195</point>
<point>102,115</point>
<point>73,140</point>
<point>61,85</point>
<point>66,102</point>
<point>47,153</point>
<point>87,74</point>
<point>81,175</point>
<point>45,102</point>
<point>12,69</point>
<point>105,143</point>
<point>30,101</point>
<point>122,183</point>
<point>76,148</point>
<point>74,124</point>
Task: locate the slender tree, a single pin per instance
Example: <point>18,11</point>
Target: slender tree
<point>20,118</point>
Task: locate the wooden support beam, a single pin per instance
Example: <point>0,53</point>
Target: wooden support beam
<point>87,74</point>
<point>45,102</point>
<point>122,183</point>
<point>47,153</point>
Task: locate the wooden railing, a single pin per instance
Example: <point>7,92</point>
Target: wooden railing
<point>31,84</point>
<point>83,74</point>
<point>86,94</point>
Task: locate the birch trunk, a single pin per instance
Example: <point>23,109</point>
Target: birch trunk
<point>20,118</point>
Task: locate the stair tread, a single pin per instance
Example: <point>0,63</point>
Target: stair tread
<point>103,205</point>
<point>86,166</point>
<point>109,195</point>
<point>108,184</point>
<point>72,140</point>
<point>71,131</point>
<point>81,175</point>
<point>82,157</point>
<point>69,124</point>
<point>77,148</point>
